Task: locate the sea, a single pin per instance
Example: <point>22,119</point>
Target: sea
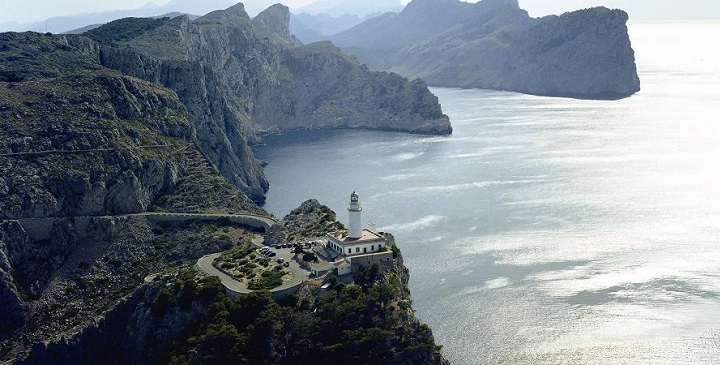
<point>548,230</point>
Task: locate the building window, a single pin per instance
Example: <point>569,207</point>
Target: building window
<point>372,247</point>
<point>357,249</point>
<point>349,250</point>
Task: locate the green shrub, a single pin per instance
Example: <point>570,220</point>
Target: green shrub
<point>309,256</point>
<point>161,303</point>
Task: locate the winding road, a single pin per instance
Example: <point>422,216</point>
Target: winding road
<point>40,227</point>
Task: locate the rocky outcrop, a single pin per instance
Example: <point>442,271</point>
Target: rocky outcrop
<point>190,318</point>
<point>310,220</point>
<point>583,54</point>
<point>494,44</point>
<point>276,20</point>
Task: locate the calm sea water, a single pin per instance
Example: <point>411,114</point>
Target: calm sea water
<point>548,230</point>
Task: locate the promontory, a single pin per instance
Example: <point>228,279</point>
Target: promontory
<point>495,44</point>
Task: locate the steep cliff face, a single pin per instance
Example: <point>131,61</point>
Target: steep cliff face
<point>239,76</point>
<point>494,44</point>
<point>276,20</point>
<point>585,54</point>
<point>171,54</point>
<point>13,307</point>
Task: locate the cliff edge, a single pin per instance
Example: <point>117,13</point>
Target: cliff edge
<point>187,317</point>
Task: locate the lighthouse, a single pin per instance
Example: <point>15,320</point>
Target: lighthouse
<point>356,241</point>
<point>354,211</point>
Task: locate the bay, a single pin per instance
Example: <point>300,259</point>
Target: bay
<point>548,230</point>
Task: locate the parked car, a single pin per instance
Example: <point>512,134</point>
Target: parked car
<point>286,264</point>
<point>272,254</point>
<point>280,260</point>
<point>277,247</point>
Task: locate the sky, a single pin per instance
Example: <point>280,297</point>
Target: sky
<point>23,11</point>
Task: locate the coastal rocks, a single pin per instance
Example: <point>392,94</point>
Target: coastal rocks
<point>232,77</point>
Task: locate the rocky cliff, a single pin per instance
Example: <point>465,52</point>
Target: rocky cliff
<point>77,139</point>
<point>494,44</point>
<point>239,77</point>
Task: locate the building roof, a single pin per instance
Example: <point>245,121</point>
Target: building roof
<point>341,237</point>
<point>340,264</point>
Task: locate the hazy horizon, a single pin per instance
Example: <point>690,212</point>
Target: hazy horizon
<point>30,11</point>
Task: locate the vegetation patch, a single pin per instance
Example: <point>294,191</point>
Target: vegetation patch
<point>124,29</point>
<point>251,268</point>
<point>370,324</point>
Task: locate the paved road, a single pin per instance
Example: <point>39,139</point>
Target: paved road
<point>45,152</point>
<point>205,264</point>
<point>266,221</point>
<point>262,221</point>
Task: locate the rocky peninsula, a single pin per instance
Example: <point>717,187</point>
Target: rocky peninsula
<point>495,44</point>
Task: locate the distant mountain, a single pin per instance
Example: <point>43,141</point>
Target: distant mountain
<point>73,23</point>
<point>312,28</point>
<point>361,8</point>
<point>494,44</point>
<point>639,10</point>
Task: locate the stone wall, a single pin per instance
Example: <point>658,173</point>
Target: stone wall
<point>364,261</point>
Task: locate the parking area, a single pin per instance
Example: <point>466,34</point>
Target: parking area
<point>283,254</point>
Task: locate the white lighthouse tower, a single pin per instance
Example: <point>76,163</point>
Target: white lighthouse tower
<point>354,211</point>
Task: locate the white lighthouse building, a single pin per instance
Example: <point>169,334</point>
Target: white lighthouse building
<point>355,218</point>
<point>356,240</point>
